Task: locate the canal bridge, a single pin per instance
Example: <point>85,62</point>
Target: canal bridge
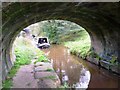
<point>101,21</point>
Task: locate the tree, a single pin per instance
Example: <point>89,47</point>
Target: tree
<point>50,27</point>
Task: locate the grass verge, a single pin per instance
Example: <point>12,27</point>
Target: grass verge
<point>80,46</point>
<point>25,51</point>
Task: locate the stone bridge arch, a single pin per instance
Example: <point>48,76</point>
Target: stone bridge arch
<point>101,20</point>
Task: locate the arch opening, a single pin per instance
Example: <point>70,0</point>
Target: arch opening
<point>72,31</point>
<point>67,33</point>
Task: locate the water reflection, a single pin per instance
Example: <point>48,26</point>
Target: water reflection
<point>64,77</point>
<point>77,72</point>
<point>84,79</point>
<point>69,69</point>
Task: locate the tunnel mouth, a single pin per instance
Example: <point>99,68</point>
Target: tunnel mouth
<point>76,33</point>
<point>44,34</point>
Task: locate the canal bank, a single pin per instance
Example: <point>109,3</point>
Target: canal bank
<point>72,66</point>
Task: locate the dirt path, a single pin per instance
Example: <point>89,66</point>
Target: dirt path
<point>39,75</point>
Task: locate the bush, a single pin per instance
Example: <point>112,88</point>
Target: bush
<point>24,51</point>
<point>23,55</point>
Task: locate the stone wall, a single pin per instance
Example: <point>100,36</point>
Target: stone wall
<point>101,20</point>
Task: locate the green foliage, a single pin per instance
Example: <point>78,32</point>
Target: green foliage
<point>65,86</point>
<point>113,61</point>
<point>80,46</point>
<point>7,84</point>
<point>13,70</point>
<point>92,54</point>
<point>50,77</point>
<point>50,27</point>
<point>41,58</point>
<point>49,69</point>
<point>24,51</point>
<point>71,35</point>
<point>23,55</point>
<point>56,29</point>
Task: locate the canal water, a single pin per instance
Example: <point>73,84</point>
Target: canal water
<point>77,72</point>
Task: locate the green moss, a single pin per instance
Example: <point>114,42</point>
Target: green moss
<point>50,77</point>
<point>13,71</point>
<point>113,61</point>
<point>49,69</point>
<point>41,58</point>
<point>65,86</point>
<point>8,82</point>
